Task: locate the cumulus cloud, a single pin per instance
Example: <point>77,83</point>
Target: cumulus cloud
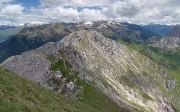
<point>69,14</point>
<point>76,3</point>
<point>60,14</point>
<point>121,9</point>
<point>144,11</point>
<point>5,1</point>
<point>134,11</point>
<point>11,10</point>
<point>91,15</point>
<point>9,13</point>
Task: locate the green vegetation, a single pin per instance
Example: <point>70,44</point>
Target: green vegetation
<point>168,60</point>
<point>61,52</point>
<point>146,96</point>
<point>51,58</point>
<point>90,96</point>
<point>31,38</point>
<point>129,83</point>
<point>18,94</point>
<point>143,109</point>
<point>65,68</point>
<point>171,56</point>
<point>93,97</point>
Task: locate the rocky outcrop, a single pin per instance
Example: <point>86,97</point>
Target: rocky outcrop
<point>165,42</point>
<point>122,74</point>
<point>170,84</point>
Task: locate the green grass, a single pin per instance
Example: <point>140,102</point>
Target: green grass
<point>132,85</point>
<point>143,109</point>
<point>167,60</point>
<point>65,68</point>
<point>146,96</point>
<point>128,82</point>
<point>51,58</point>
<point>18,94</point>
<point>171,56</point>
<point>90,96</point>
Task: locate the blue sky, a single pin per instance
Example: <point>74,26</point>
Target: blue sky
<point>18,12</point>
<point>27,3</point>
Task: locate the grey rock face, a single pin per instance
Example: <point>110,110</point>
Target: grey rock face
<point>31,65</point>
<point>34,66</point>
<point>122,74</point>
<point>170,84</point>
<point>167,43</point>
<point>109,60</point>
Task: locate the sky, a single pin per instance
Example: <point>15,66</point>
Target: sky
<point>19,12</point>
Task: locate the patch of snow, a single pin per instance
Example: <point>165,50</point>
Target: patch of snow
<point>88,23</point>
<point>111,22</point>
<point>103,26</point>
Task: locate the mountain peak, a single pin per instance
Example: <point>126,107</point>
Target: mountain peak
<point>106,64</point>
<point>87,37</point>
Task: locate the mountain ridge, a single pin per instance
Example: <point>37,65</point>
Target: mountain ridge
<point>32,37</point>
<point>170,41</point>
<point>97,61</point>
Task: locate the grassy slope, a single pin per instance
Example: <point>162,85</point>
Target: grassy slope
<point>170,61</point>
<point>90,96</point>
<point>18,94</point>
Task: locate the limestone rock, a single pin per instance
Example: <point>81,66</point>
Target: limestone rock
<point>170,84</point>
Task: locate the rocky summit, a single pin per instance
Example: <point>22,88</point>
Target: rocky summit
<point>127,77</point>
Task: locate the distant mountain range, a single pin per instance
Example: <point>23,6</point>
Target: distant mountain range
<point>32,37</point>
<point>5,27</point>
<point>8,31</point>
<point>161,29</point>
<point>170,41</point>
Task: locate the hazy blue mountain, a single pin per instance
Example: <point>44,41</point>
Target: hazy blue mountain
<point>161,29</point>
<point>8,31</point>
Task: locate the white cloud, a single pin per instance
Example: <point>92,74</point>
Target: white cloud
<point>5,1</point>
<point>69,14</point>
<point>135,11</point>
<point>9,14</point>
<point>60,12</point>
<point>91,15</point>
<point>76,3</point>
<point>146,11</point>
<point>11,10</point>
<point>55,14</point>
